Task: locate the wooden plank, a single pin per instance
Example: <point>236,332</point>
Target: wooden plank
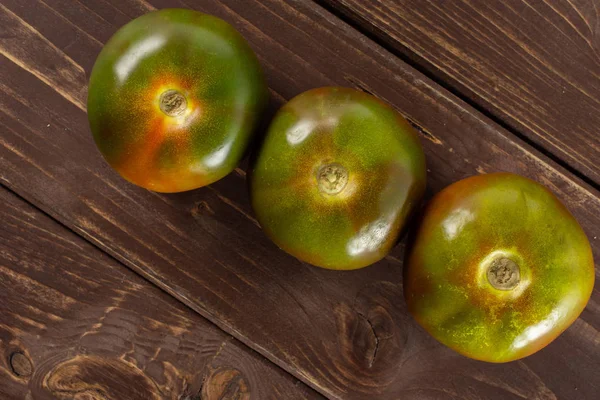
<point>74,323</point>
<point>533,64</point>
<point>346,334</point>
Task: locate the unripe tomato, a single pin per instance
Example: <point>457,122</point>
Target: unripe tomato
<point>336,178</point>
<point>498,269</point>
<point>174,98</point>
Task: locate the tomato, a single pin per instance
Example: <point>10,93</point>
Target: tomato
<point>498,269</point>
<point>336,178</point>
<point>174,98</point>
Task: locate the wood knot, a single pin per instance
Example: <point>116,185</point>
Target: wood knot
<point>190,397</point>
<point>226,384</point>
<point>359,339</point>
<point>202,208</point>
<point>92,377</point>
<point>372,335</point>
<point>20,364</point>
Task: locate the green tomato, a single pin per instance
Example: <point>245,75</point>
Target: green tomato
<point>174,99</point>
<point>499,268</point>
<point>336,178</point>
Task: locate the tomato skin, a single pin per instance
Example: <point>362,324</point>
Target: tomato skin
<point>487,217</point>
<point>351,131</point>
<point>199,56</point>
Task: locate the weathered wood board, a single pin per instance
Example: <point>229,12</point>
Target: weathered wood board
<point>76,324</point>
<point>532,64</point>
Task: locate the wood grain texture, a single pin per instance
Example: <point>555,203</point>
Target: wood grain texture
<point>75,324</point>
<point>534,64</point>
<point>346,334</point>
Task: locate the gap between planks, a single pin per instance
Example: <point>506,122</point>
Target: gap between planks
<point>408,56</point>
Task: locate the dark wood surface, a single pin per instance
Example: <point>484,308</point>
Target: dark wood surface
<point>76,324</point>
<point>533,64</point>
<point>348,335</point>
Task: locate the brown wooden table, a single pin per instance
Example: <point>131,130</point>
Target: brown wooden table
<point>109,291</point>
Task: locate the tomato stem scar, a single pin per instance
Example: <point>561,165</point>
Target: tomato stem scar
<point>172,103</point>
<point>332,178</point>
<point>504,274</point>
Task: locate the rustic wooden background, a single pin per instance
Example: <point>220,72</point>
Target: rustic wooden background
<point>109,291</point>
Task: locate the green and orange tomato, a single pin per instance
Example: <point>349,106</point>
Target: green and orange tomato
<point>337,177</point>
<point>498,268</point>
<point>174,99</point>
